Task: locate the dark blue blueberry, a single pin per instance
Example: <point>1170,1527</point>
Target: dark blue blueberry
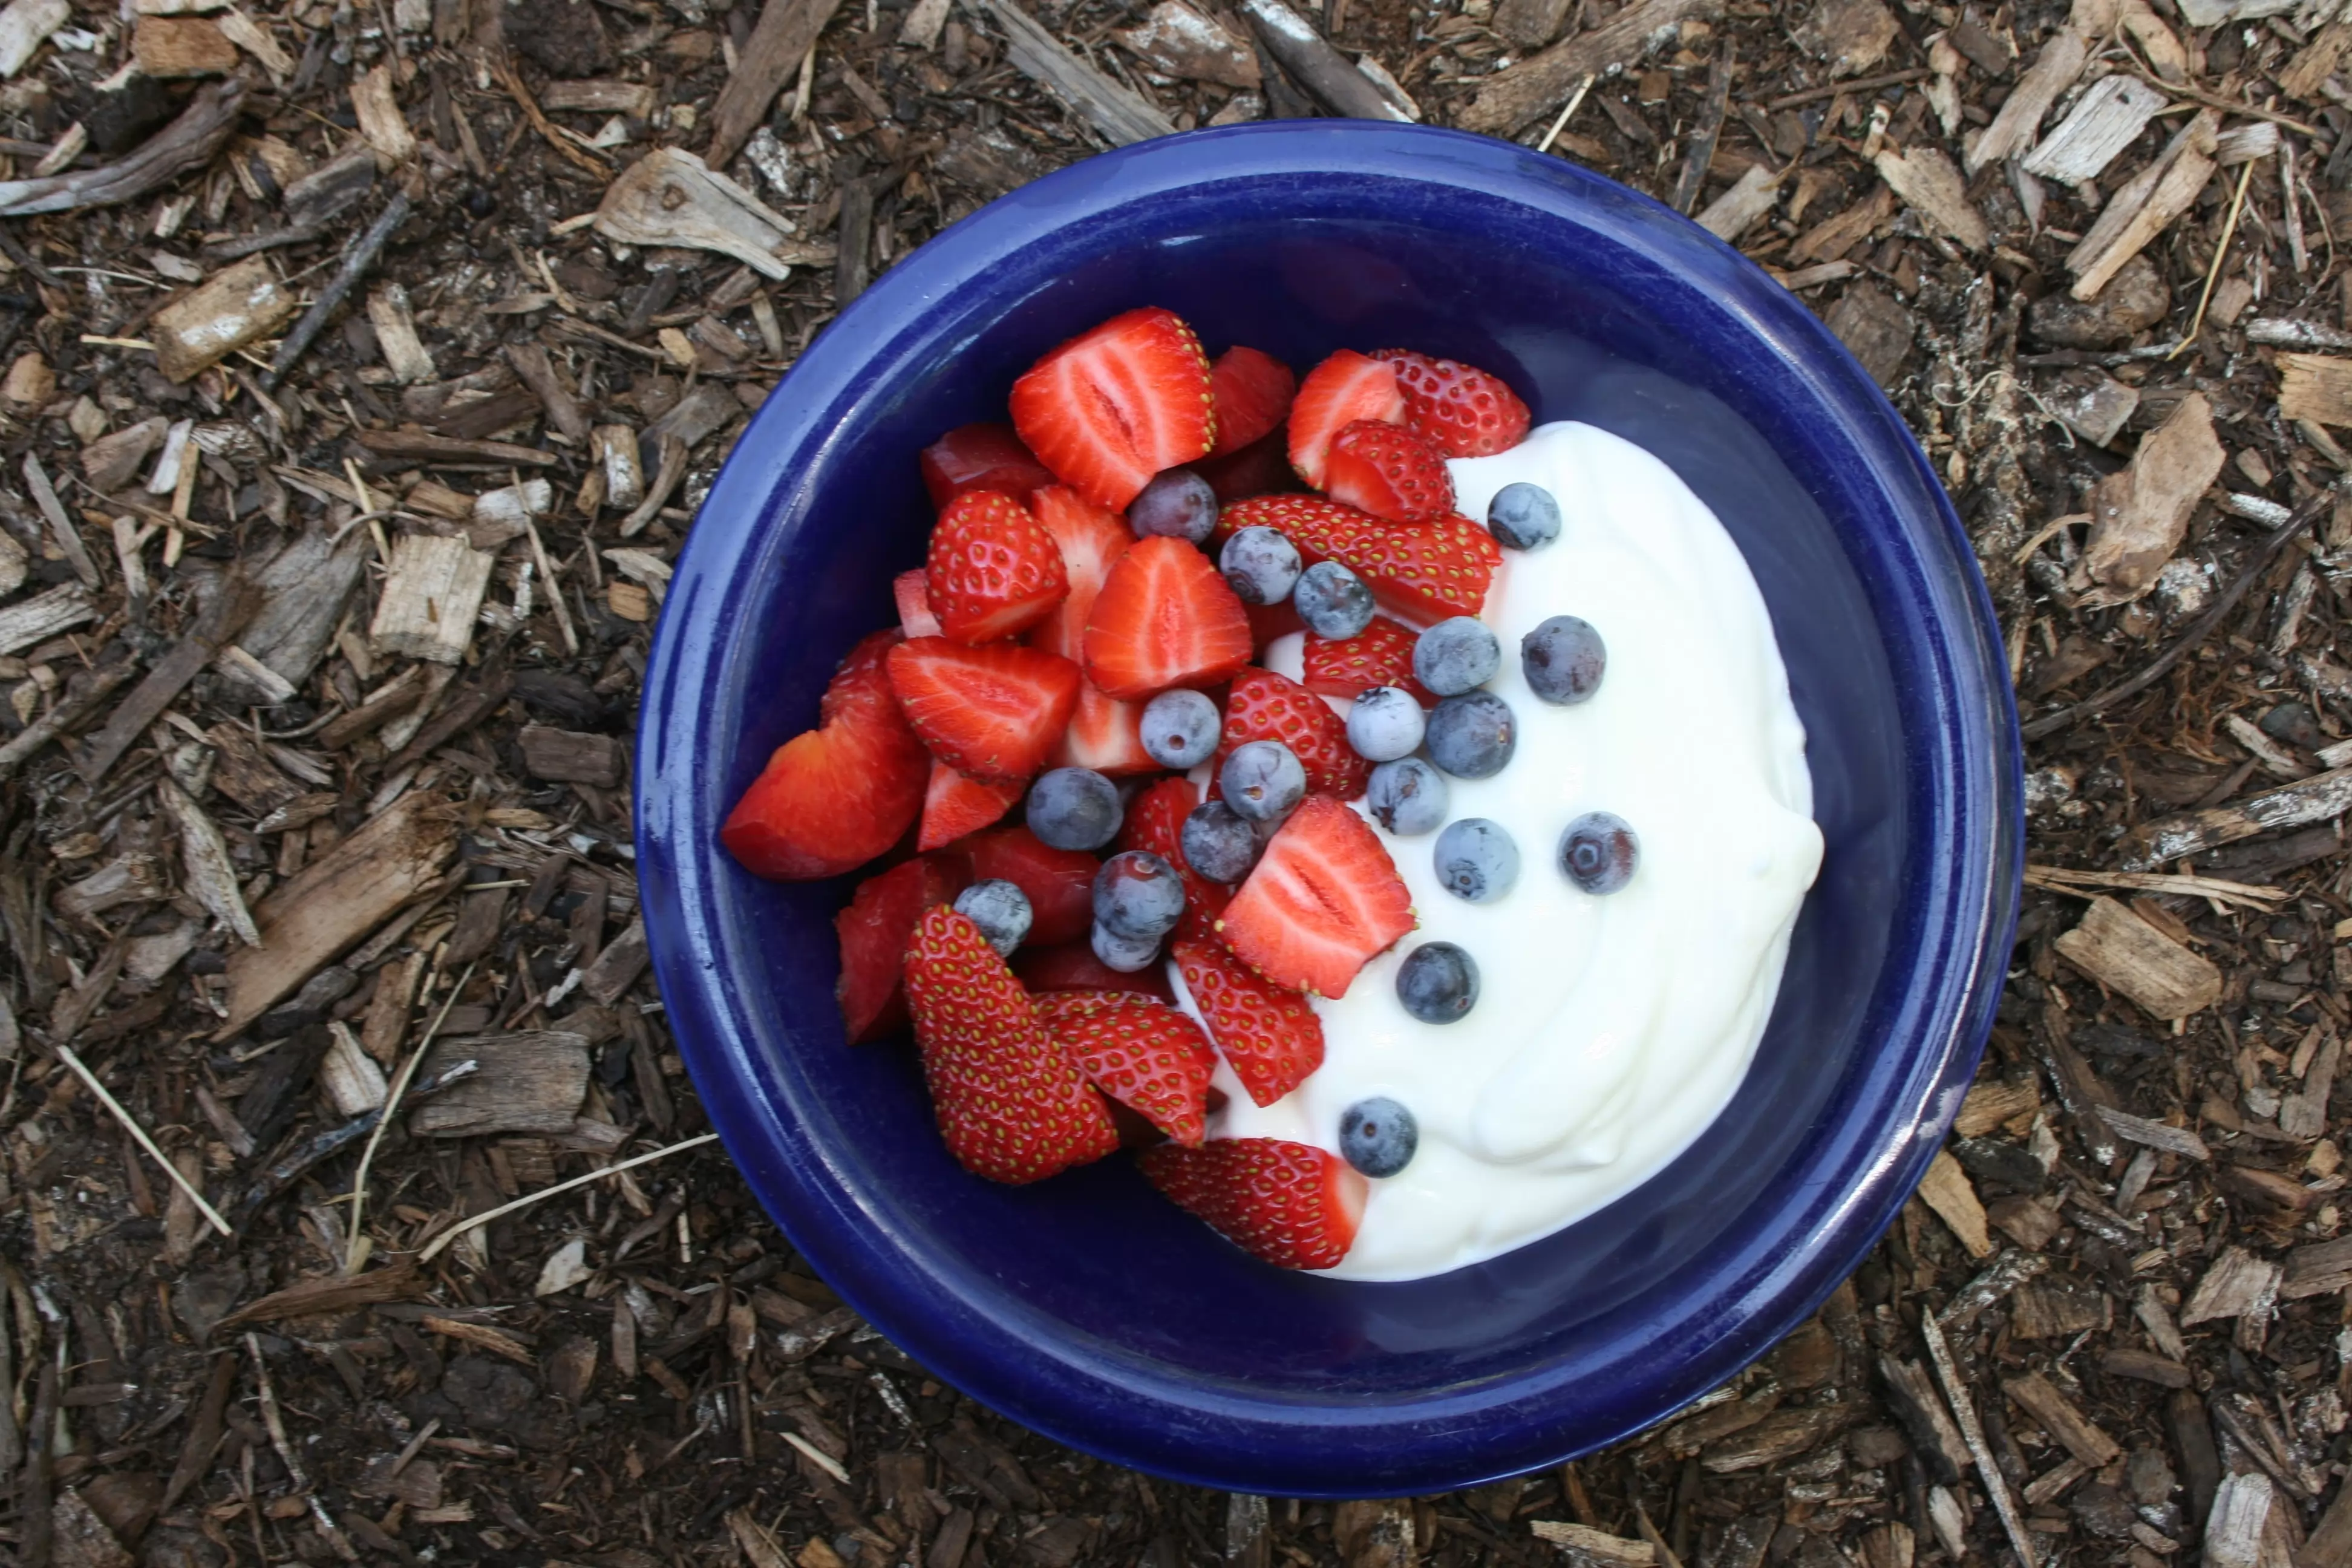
<point>1407,796</point>
<point>1180,729</point>
<point>1261,565</point>
<point>1138,895</point>
<point>1437,982</point>
<point>1178,503</point>
<point>1476,859</point>
<point>1472,736</point>
<point>1332,600</point>
<point>1385,723</point>
<point>1378,1136</point>
<point>1456,656</point>
<point>1219,842</point>
<point>1000,909</point>
<point>1263,781</point>
<point>1563,659</point>
<point>1125,953</point>
<point>1522,516</point>
<point>1075,808</point>
<point>1599,851</point>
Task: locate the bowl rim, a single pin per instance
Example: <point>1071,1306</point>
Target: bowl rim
<point>1223,1439</point>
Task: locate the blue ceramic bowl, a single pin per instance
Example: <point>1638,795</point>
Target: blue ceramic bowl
<point>1087,1307</point>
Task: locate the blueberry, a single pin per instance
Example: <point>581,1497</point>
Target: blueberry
<point>1332,600</point>
<point>1263,781</point>
<point>1075,808</point>
<point>1523,516</point>
<point>1219,842</point>
<point>1125,953</point>
<point>1137,896</point>
<point>1456,656</point>
<point>1386,723</point>
<point>1001,910</point>
<point>1261,565</point>
<point>1378,1136</point>
<point>1178,503</point>
<point>1599,851</point>
<point>1438,982</point>
<point>1476,859</point>
<point>1563,659</point>
<point>1472,736</point>
<point>1407,796</point>
<point>1180,729</point>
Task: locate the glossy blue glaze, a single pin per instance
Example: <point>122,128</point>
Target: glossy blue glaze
<point>1086,1307</point>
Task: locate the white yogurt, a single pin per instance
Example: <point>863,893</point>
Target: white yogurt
<point>1610,1031</point>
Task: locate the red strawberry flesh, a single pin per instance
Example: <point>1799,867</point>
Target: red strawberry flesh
<point>1389,471</point>
<point>912,590</point>
<point>1323,898</point>
<point>980,457</point>
<point>1269,1036</point>
<point>1345,388</point>
<point>874,930</point>
<point>1073,966</point>
<point>955,803</point>
<point>1059,882</point>
<point>993,712</point>
<point>1111,407</point>
<point>1165,617</point>
<point>1251,390</point>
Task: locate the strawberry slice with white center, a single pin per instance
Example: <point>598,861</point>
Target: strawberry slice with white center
<point>912,590</point>
<point>1345,388</point>
<point>1269,1036</point>
<point>1146,1055</point>
<point>1323,898</point>
<point>1253,391</point>
<point>1009,1103</point>
<point>1289,1204</point>
<point>1111,407</point>
<point>991,572</point>
<point>1091,541</point>
<point>1165,617</point>
<point>1104,735</point>
<point>1389,471</point>
<point>993,712</point>
<point>956,804</point>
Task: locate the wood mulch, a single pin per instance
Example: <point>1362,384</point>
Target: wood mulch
<point>359,379</point>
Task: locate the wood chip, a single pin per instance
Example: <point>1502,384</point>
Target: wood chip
<point>669,197</point>
<point>375,103</point>
<point>210,873</point>
<point>2019,120</point>
<point>2238,1284</point>
<point>395,335</point>
<point>1732,213</point>
<point>2124,952</point>
<point>780,41</point>
<point>2322,797</point>
<point>2317,387</point>
<point>2139,516</point>
<point>2145,205</point>
<point>1946,1189</point>
<point>1179,40</point>
<point>1595,1546</point>
<point>170,47</point>
<point>2317,61</point>
<point>1783,1435</point>
<point>2234,1531</point>
<point>1993,1103</point>
<point>2150,1135</point>
<point>1514,96</point>
<point>1926,180</point>
<point>1834,237</point>
<point>2034,1395</point>
<point>430,595</point>
<point>234,307</point>
<point>2104,121</point>
<point>569,757</point>
<point>332,1295</point>
<point>25,25</point>
<point>44,615</point>
<point>1120,116</point>
<point>526,1082</point>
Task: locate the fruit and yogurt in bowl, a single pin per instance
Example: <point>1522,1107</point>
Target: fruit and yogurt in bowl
<point>1403,865</point>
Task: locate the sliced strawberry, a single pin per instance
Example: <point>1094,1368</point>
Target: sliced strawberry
<point>1009,1103</point>
<point>1111,407</point>
<point>913,591</point>
<point>1261,469</point>
<point>1155,821</point>
<point>1251,391</point>
<point>1103,734</point>
<point>993,713</point>
<point>980,457</point>
<point>1289,1204</point>
<point>956,805</point>
<point>1379,654</point>
<point>1270,1036</point>
<point>1145,1055</point>
<point>1465,411</point>
<point>1264,706</point>
<point>1060,882</point>
<point>1336,394</point>
<point>1389,471</point>
<point>834,797</point>
<point>992,571</point>
<point>1420,574</point>
<point>874,930</point>
<point>1090,539</point>
<point>1324,897</point>
<point>1073,966</point>
<point>1269,621</point>
<point>1165,617</point>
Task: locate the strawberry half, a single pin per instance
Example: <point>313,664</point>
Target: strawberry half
<point>1343,389</point>
<point>1155,821</point>
<point>1323,898</point>
<point>1009,1103</point>
<point>980,457</point>
<point>993,712</point>
<point>1270,1036</point>
<point>1111,407</point>
<point>1264,706</point>
<point>912,590</point>
<point>1289,1204</point>
<point>1145,1055</point>
<point>1165,617</point>
<point>1389,471</point>
<point>1420,574</point>
<point>1251,391</point>
<point>1090,540</point>
<point>1073,966</point>
<point>874,930</point>
<point>1060,882</point>
<point>956,804</point>
<point>1465,412</point>
<point>1379,654</point>
<point>1260,469</point>
<point>834,797</point>
<point>992,571</point>
<point>1103,734</point>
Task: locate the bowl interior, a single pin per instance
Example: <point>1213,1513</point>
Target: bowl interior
<point>1087,1306</point>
